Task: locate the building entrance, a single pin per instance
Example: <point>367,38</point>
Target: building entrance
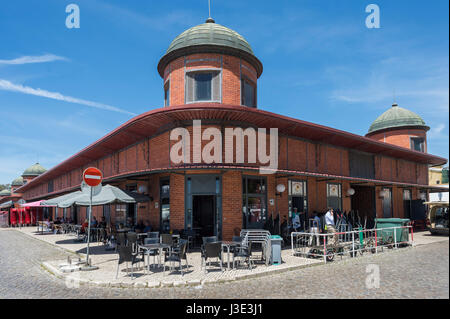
<point>203,215</point>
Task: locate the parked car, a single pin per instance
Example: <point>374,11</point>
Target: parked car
<point>437,221</point>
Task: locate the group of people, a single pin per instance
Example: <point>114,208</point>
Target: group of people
<point>317,224</point>
<point>94,223</point>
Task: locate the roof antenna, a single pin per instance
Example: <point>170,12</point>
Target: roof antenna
<point>209,20</point>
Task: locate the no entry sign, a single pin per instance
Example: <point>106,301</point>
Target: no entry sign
<point>92,176</point>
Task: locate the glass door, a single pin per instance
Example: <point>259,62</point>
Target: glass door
<point>254,205</point>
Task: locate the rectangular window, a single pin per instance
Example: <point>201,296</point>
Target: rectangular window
<point>248,93</point>
<point>361,165</point>
<point>334,196</point>
<point>50,187</point>
<point>165,205</point>
<point>418,144</point>
<point>298,200</point>
<point>167,94</point>
<point>406,194</point>
<point>203,87</point>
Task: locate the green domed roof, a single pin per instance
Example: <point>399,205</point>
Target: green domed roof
<point>397,117</point>
<point>209,37</point>
<point>18,181</point>
<point>34,170</point>
<point>5,192</point>
<point>210,33</point>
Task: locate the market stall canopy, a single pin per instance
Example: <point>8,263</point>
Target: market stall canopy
<point>108,195</point>
<point>39,203</point>
<point>55,201</point>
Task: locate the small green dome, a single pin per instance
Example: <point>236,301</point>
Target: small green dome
<point>5,192</point>
<point>18,181</point>
<point>209,37</point>
<point>34,170</point>
<point>397,117</point>
<point>210,33</point>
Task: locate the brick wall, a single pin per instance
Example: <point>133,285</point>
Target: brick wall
<point>232,69</point>
<point>400,137</point>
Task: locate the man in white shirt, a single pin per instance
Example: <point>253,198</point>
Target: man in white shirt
<point>329,222</point>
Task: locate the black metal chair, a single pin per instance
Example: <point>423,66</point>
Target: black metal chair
<point>209,239</point>
<point>153,234</point>
<point>132,239</point>
<point>211,250</point>
<point>244,252</point>
<point>166,239</point>
<point>190,235</point>
<point>121,239</point>
<point>178,256</point>
<point>126,256</point>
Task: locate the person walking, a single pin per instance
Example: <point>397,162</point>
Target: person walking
<point>329,222</point>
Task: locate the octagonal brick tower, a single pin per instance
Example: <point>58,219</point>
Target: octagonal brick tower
<point>400,127</point>
<point>210,63</point>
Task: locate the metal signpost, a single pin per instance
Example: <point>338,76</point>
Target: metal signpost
<point>92,178</point>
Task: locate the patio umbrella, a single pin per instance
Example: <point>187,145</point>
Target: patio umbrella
<point>108,195</point>
<point>55,201</point>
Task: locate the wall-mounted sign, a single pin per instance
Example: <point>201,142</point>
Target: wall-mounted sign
<point>156,205</point>
<point>297,188</point>
<point>272,202</point>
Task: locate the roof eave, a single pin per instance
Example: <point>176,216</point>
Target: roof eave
<point>209,48</point>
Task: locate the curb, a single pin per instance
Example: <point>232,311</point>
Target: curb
<point>172,284</point>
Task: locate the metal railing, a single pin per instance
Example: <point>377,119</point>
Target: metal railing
<point>350,243</point>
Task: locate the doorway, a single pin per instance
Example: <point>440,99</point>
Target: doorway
<point>131,213</point>
<point>203,214</point>
<point>363,201</point>
<point>387,203</point>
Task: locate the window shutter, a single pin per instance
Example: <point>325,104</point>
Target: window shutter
<point>189,88</point>
<point>216,87</point>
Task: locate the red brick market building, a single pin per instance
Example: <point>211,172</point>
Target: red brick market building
<point>210,74</point>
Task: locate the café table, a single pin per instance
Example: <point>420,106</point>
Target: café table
<point>147,248</point>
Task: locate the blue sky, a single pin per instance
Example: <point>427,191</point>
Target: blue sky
<point>62,89</point>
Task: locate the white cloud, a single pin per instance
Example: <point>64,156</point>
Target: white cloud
<point>33,59</point>
<point>8,86</point>
<point>437,132</point>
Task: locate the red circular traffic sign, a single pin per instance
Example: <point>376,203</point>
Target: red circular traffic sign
<point>92,176</point>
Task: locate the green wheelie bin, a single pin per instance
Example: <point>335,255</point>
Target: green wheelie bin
<point>386,233</point>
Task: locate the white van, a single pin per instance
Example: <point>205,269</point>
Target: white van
<point>437,221</point>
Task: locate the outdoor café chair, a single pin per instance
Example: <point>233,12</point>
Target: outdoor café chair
<point>178,256</point>
<point>121,239</point>
<point>153,234</point>
<point>244,252</point>
<point>190,235</point>
<point>126,256</point>
<point>132,239</point>
<point>209,239</point>
<point>211,250</point>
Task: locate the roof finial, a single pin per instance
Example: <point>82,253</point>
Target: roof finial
<point>209,20</point>
<point>394,103</point>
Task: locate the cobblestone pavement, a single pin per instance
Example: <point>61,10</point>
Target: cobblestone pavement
<point>420,272</point>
